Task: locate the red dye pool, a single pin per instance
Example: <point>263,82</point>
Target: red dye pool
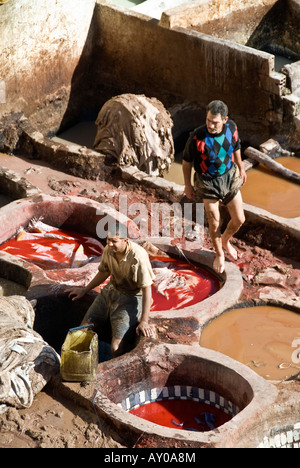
<point>182,414</point>
<point>51,248</point>
<point>179,284</point>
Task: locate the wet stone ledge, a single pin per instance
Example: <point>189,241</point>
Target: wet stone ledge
<point>16,187</point>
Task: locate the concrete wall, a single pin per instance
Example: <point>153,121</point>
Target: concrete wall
<point>204,11</point>
<point>41,42</point>
<point>184,65</point>
<point>60,57</point>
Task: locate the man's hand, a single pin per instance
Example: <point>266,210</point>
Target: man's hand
<point>243,175</point>
<point>189,191</point>
<point>144,328</point>
<point>76,293</point>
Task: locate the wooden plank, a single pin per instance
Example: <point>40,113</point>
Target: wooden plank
<point>276,167</point>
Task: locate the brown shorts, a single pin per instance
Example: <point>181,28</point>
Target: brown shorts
<point>223,188</point>
<point>122,310</point>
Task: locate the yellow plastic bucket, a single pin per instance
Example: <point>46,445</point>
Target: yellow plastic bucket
<point>79,356</point>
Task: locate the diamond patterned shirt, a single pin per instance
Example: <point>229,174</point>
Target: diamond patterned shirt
<point>212,155</point>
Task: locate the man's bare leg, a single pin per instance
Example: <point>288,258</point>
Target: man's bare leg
<point>119,347</point>
<point>236,211</point>
<point>214,225</point>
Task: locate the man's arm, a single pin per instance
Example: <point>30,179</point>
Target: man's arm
<point>78,293</point>
<point>144,326</point>
<point>239,163</point>
<point>187,173</point>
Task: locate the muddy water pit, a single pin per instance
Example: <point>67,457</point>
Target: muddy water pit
<point>272,193</point>
<point>260,337</point>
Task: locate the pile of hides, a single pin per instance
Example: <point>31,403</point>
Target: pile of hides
<point>136,131</point>
<point>27,362</point>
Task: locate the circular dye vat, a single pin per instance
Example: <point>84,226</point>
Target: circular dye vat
<point>264,338</point>
<point>181,407</point>
<point>182,414</point>
<point>51,248</point>
<point>179,284</point>
<point>264,189</point>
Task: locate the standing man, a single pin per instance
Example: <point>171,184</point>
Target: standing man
<point>214,151</point>
<point>126,299</point>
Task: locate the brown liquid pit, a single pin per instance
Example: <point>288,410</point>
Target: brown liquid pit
<point>260,337</point>
<point>264,189</point>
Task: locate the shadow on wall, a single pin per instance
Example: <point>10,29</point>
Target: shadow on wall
<point>110,66</point>
<point>278,32</point>
<point>88,92</point>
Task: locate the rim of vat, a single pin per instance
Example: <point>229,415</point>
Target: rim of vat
<point>292,306</point>
<point>16,269</point>
<point>263,394</point>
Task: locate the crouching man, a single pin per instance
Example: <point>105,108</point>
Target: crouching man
<point>126,300</point>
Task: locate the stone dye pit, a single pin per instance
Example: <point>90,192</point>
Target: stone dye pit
<point>172,409</point>
<point>178,375</point>
<point>271,193</point>
<point>260,337</point>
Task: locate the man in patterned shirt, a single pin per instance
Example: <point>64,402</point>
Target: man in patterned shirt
<point>214,151</point>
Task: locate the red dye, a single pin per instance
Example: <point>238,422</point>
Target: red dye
<point>182,414</point>
<point>178,284</point>
<point>53,249</point>
<point>200,284</point>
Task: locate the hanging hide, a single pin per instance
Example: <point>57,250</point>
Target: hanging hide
<point>136,131</point>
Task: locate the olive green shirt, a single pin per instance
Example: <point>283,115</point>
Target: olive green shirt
<point>132,273</point>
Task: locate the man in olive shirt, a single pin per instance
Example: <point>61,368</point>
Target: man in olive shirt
<point>126,299</point>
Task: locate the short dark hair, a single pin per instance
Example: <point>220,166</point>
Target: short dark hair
<point>117,229</point>
<point>218,107</point>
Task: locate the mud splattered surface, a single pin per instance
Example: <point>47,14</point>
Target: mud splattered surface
<point>53,422</point>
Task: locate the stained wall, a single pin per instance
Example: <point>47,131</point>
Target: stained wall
<point>41,43</point>
<point>60,58</point>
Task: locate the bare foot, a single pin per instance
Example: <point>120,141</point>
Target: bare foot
<point>219,264</point>
<point>230,250</point>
